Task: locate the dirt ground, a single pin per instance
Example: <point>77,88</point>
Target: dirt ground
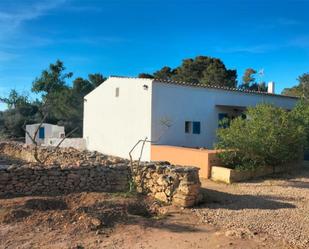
<point>260,214</point>
<point>98,220</point>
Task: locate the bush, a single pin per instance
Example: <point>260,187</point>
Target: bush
<point>269,136</point>
<point>300,114</point>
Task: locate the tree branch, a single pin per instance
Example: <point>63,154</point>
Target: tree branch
<point>58,145</point>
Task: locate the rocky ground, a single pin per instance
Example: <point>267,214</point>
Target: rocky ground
<point>112,221</point>
<point>278,207</point>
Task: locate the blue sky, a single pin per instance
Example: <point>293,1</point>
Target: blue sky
<point>125,37</point>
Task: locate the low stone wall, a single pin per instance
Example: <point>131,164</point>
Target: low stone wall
<point>28,180</point>
<point>222,174</point>
<point>68,170</point>
<point>65,157</point>
<point>168,183</point>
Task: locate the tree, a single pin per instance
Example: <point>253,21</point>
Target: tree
<point>301,116</point>
<point>15,99</point>
<point>249,81</point>
<point>164,73</point>
<point>81,86</point>
<point>52,85</point>
<point>294,91</point>
<point>300,90</point>
<point>52,79</point>
<point>61,103</point>
<point>96,79</point>
<point>200,70</point>
<point>145,76</point>
<point>64,104</point>
<point>304,85</point>
<point>205,70</point>
<point>20,110</point>
<point>248,78</point>
<point>270,137</point>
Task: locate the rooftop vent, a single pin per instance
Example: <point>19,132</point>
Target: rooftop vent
<point>271,87</point>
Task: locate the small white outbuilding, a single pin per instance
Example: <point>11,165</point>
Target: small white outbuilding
<point>45,132</point>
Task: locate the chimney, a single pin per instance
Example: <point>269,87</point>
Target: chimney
<point>271,87</point>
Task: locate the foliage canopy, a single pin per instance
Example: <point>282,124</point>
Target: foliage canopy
<point>62,101</point>
<point>269,136</point>
<point>200,70</point>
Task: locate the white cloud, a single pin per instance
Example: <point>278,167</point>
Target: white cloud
<point>13,19</point>
<point>254,49</point>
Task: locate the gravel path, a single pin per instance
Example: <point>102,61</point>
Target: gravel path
<point>278,207</point>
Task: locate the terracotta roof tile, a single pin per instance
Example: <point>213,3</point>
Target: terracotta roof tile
<point>181,83</point>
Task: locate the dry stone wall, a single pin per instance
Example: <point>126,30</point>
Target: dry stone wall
<point>168,183</point>
<point>28,180</point>
<point>69,170</point>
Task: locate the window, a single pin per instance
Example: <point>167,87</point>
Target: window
<point>188,127</point>
<point>41,133</point>
<point>222,120</point>
<point>117,92</point>
<point>196,127</point>
<point>192,127</point>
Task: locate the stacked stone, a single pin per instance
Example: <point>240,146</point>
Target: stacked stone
<point>29,180</point>
<point>60,156</point>
<point>168,183</point>
<point>69,170</point>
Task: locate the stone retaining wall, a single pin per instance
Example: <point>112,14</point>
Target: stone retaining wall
<point>168,183</point>
<point>69,170</point>
<point>29,180</point>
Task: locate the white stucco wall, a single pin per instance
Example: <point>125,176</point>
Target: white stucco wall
<point>112,125</point>
<point>76,143</point>
<point>51,131</point>
<point>178,104</point>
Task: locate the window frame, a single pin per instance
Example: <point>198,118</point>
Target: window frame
<point>188,127</point>
<point>196,127</point>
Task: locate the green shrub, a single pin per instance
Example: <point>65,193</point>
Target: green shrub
<point>269,136</point>
<point>300,115</point>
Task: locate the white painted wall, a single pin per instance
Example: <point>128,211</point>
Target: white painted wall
<point>76,143</point>
<point>179,104</point>
<point>51,131</point>
<point>113,125</point>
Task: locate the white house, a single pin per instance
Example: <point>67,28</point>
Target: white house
<point>45,132</point>
<point>122,111</point>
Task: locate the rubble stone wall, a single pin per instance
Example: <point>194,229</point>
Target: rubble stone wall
<point>168,183</point>
<point>28,180</point>
<point>69,170</point>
